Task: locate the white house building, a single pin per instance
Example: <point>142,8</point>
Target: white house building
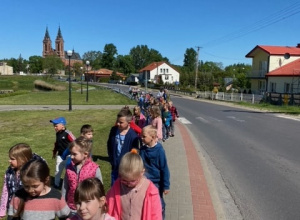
<point>158,72</point>
<point>5,69</point>
<point>275,69</point>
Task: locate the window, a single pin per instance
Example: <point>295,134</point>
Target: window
<point>160,70</point>
<point>287,87</point>
<point>273,87</point>
<point>164,71</point>
<point>167,70</point>
<point>166,77</point>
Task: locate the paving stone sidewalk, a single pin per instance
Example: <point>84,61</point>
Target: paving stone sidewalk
<point>189,197</point>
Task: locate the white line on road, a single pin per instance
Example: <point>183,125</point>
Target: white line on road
<point>288,117</point>
<point>236,119</point>
<point>184,121</point>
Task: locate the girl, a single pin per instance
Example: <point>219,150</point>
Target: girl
<point>138,117</point>
<point>133,196</point>
<point>90,201</point>
<point>156,121</point>
<point>18,154</point>
<point>81,167</point>
<point>166,118</point>
<point>36,200</point>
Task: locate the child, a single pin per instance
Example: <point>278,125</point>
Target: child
<point>122,138</point>
<point>63,139</point>
<point>81,167</point>
<point>36,200</point>
<point>138,117</point>
<point>166,118</point>
<point>155,162</point>
<point>18,154</point>
<point>175,115</point>
<point>133,196</point>
<point>156,121</point>
<point>90,201</point>
<point>87,131</point>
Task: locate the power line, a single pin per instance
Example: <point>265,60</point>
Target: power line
<point>263,23</point>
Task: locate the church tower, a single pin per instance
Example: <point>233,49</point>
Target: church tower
<point>59,45</point>
<point>47,44</point>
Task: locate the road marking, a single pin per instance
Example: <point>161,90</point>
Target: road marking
<point>288,117</point>
<point>236,119</point>
<point>203,120</point>
<point>184,120</point>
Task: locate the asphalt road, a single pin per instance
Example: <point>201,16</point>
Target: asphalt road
<point>255,153</point>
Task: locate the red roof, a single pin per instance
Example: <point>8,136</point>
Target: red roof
<point>290,69</point>
<point>275,50</point>
<point>154,65</point>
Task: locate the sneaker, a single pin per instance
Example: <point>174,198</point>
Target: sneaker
<point>163,140</point>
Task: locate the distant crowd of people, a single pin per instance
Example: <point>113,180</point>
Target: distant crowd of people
<point>140,175</point>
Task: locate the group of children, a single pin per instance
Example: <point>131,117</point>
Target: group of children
<point>139,174</point>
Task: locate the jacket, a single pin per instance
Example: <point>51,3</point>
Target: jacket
<point>63,139</point>
<point>131,141</point>
<point>156,166</point>
<point>151,204</point>
<point>88,170</point>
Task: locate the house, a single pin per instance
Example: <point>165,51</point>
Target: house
<point>5,69</point>
<point>133,78</point>
<point>159,72</point>
<point>270,72</point>
<point>97,75</point>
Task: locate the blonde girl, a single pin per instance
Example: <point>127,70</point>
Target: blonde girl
<point>18,155</point>
<point>90,201</point>
<point>156,121</point>
<point>36,200</point>
<point>138,117</point>
<point>133,196</point>
<point>81,168</point>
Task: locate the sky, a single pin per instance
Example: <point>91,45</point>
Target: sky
<point>225,31</point>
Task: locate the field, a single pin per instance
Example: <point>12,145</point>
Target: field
<point>34,128</point>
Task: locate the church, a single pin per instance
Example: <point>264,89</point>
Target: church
<point>59,49</point>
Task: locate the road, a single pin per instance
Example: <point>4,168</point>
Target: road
<point>256,154</point>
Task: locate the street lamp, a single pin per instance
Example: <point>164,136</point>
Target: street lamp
<point>87,63</point>
<point>81,73</point>
<point>69,53</point>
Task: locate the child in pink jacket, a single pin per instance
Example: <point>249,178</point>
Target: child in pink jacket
<point>133,196</point>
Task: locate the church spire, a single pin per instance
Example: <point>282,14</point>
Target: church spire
<point>59,35</point>
<point>47,34</point>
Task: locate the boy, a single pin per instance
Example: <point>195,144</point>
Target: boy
<point>63,138</point>
<point>122,138</point>
<point>87,131</point>
<point>175,115</point>
<point>155,162</point>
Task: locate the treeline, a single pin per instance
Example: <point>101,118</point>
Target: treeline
<point>209,74</point>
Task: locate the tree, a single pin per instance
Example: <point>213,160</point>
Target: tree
<point>35,64</point>
<point>108,56</point>
<point>189,61</point>
<point>94,57</point>
<point>77,69</point>
<point>124,64</point>
<point>142,56</point>
<point>52,64</point>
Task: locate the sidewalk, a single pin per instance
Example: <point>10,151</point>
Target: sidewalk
<point>189,197</point>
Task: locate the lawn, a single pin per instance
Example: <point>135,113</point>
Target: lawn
<point>34,128</point>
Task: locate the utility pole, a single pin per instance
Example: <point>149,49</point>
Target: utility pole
<point>196,72</point>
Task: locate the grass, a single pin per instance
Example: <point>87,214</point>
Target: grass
<point>34,128</point>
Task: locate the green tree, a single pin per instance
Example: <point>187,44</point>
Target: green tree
<point>52,64</point>
<point>94,57</point>
<point>108,56</point>
<point>189,61</point>
<point>124,64</point>
<point>142,56</point>
<point>35,64</point>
